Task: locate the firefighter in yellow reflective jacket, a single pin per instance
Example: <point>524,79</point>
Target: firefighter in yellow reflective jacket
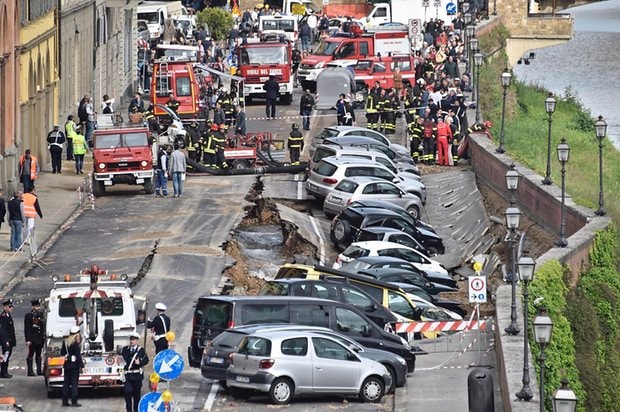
<point>416,134</point>
<point>372,111</point>
<point>382,102</point>
<point>295,144</point>
<point>220,144</point>
<point>192,144</point>
<point>209,146</point>
<point>410,102</point>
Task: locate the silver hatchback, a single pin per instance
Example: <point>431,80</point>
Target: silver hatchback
<point>285,364</point>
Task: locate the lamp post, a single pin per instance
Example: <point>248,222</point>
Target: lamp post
<point>478,62</point>
<point>601,131</point>
<point>564,399</point>
<point>550,108</point>
<point>470,32</point>
<point>563,152</point>
<point>473,49</point>
<point>512,223</point>
<point>527,264</point>
<point>505,78</point>
<point>543,326</point>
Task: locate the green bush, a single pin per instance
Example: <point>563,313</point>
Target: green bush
<point>219,21</point>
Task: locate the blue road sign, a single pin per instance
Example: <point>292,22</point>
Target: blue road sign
<point>451,8</point>
<point>151,402</point>
<point>168,364</point>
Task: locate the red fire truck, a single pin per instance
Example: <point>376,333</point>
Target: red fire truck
<point>173,72</point>
<point>258,59</point>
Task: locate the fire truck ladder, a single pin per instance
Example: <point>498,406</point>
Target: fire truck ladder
<point>163,80</point>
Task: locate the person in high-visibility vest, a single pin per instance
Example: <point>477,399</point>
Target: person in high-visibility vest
<point>79,150</point>
<point>28,169</point>
<point>31,211</point>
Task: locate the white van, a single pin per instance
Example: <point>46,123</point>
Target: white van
<point>279,25</point>
<point>155,14</point>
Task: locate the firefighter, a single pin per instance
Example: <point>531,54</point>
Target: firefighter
<point>410,103</point>
<point>159,327</point>
<point>219,137</point>
<point>193,136</point>
<point>372,112</point>
<point>135,359</point>
<point>209,146</point>
<point>390,104</point>
<point>416,134</point>
<point>151,120</point>
<point>227,101</point>
<point>429,135</point>
<point>455,125</point>
<point>34,331</point>
<point>382,102</point>
<point>9,341</point>
<point>444,137</point>
<point>173,103</point>
<point>295,144</point>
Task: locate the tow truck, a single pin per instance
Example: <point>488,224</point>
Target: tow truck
<point>104,308</point>
<point>261,58</point>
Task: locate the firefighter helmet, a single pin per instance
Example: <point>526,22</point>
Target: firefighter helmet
<point>214,127</point>
<point>295,126</point>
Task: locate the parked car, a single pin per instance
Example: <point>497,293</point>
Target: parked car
<point>338,131</point>
<point>388,234</point>
<point>381,204</point>
<point>330,171</point>
<point>371,262</point>
<point>346,225</point>
<point>406,276</point>
<point>215,314</point>
<point>433,312</point>
<point>216,356</point>
<point>368,142</point>
<point>378,248</point>
<point>451,305</point>
<point>325,289</point>
<point>369,187</point>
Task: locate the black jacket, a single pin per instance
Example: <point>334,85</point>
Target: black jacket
<point>141,358</point>
<point>272,88</point>
<point>8,327</point>
<point>74,356</point>
<point>2,209</point>
<point>34,327</point>
<point>15,209</point>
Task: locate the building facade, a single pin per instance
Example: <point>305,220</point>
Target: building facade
<point>9,90</point>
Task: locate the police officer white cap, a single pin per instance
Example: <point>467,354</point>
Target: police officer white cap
<point>134,335</point>
<point>74,330</point>
<point>160,306</point>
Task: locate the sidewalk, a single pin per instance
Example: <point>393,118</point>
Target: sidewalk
<point>60,196</point>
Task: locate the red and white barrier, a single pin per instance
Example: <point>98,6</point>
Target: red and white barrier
<point>446,326</point>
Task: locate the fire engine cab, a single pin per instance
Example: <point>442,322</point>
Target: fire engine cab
<point>104,308</point>
<point>260,58</point>
<point>173,72</point>
<point>381,69</point>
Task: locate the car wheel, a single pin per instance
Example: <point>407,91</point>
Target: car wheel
<point>342,232</point>
<point>281,391</point>
<point>239,393</point>
<point>372,390</point>
<point>414,211</point>
<point>392,373</point>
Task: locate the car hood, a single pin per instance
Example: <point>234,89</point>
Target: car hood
<point>377,355</point>
<point>314,59</point>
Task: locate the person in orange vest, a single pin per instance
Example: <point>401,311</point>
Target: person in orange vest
<point>28,169</point>
<point>444,134</point>
<point>31,210</point>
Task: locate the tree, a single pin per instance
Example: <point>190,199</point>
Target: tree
<point>219,21</point>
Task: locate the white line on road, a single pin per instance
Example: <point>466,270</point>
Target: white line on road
<point>211,398</point>
<point>321,242</point>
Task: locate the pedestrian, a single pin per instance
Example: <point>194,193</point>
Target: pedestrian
<point>272,88</point>
<point>79,150</point>
<point>306,105</point>
<point>2,207</point>
<point>172,103</point>
<point>8,342</point>
<point>340,110</point>
<point>429,141</point>
<point>137,104</point>
<point>313,23</point>
<point>90,122</point>
<point>161,177</point>
<point>28,170</point>
<point>416,134</point>
<point>82,115</point>
<point>159,327</point>
<point>240,125</point>
<point>135,359</point>
<point>349,113</point>
<point>178,168</point>
<point>106,104</point>
<point>305,35</point>
<point>72,351</point>
<point>16,220</point>
<point>219,117</point>
<point>34,332</point>
<point>55,140</point>
<point>295,144</point>
<point>397,79</point>
<point>70,132</point>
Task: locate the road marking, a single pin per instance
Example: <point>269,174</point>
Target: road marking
<point>211,398</point>
<point>321,242</point>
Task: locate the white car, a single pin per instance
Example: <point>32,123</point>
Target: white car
<point>337,131</point>
<point>380,248</point>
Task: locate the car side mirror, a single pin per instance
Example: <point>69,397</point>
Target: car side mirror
<point>372,307</point>
<point>351,357</point>
<point>428,285</point>
<point>417,313</point>
<point>395,180</point>
<point>366,331</point>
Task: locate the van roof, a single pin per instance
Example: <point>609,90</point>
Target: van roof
<point>263,298</point>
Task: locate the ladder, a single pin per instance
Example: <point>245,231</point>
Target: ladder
<point>163,80</point>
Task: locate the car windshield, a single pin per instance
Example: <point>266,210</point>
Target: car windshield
<point>264,55</point>
<point>274,289</point>
<point>327,133</point>
<point>287,25</point>
<point>150,17</point>
<point>75,307</point>
<point>228,339</point>
<point>354,252</point>
<point>325,169</point>
<point>113,141</point>
<point>326,48</point>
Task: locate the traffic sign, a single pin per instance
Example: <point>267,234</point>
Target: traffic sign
<point>151,402</point>
<point>414,27</point>
<point>437,3</point>
<point>451,8</point>
<point>477,289</point>
<point>168,364</point>
<point>426,3</point>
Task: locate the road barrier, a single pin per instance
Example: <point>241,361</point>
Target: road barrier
<point>444,326</point>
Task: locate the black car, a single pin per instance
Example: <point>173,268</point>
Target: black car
<point>406,276</point>
<point>345,227</point>
<point>452,305</point>
<point>215,359</point>
<point>382,204</point>
<point>337,291</point>
<point>372,262</point>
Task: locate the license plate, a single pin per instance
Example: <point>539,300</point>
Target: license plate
<point>336,200</point>
<point>215,360</point>
<point>311,186</point>
<point>97,370</point>
<point>243,379</point>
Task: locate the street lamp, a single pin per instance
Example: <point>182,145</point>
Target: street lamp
<point>550,108</point>
<point>478,62</point>
<point>469,32</point>
<point>505,78</point>
<point>512,223</point>
<point>543,326</point>
<point>601,131</point>
<point>563,153</point>
<point>564,399</point>
<point>527,264</point>
<point>473,48</point>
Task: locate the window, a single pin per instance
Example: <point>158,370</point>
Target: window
<point>264,313</point>
<point>325,169</point>
<point>385,162</point>
<point>183,86</point>
<point>347,186</point>
<point>255,346</point>
<point>363,64</point>
<point>405,254</point>
<point>365,236</point>
<point>404,240</point>
<point>264,55</point>
<point>356,298</point>
<point>404,65</point>
<point>375,292</point>
<point>347,50</point>
<point>294,347</point>
<point>213,313</point>
<point>398,223</point>
<point>328,349</point>
<point>398,304</point>
<point>309,315</point>
<point>385,188</point>
<point>72,307</point>
<point>326,292</point>
<point>364,48</point>
<point>349,322</point>
<point>381,12</point>
<point>275,289</point>
<point>114,141</point>
<point>354,252</point>
<point>321,153</point>
<point>382,173</point>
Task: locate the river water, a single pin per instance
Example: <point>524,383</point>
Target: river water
<point>588,64</point>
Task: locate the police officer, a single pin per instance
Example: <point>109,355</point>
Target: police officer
<point>9,341</point>
<point>72,351</point>
<point>173,103</point>
<point>34,331</point>
<point>135,359</point>
<point>295,144</point>
<point>55,139</point>
<point>160,326</point>
<point>372,112</point>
